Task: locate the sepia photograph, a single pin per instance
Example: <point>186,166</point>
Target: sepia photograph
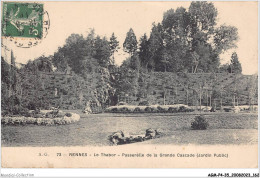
<point>129,84</point>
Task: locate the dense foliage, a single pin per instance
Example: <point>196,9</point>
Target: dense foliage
<point>235,66</point>
<point>186,41</point>
<point>200,123</point>
<point>85,55</point>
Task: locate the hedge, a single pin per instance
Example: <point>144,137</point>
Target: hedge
<point>68,118</point>
<point>149,109</point>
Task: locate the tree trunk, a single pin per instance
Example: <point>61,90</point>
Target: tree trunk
<point>210,104</point>
<point>207,100</point>
<point>200,98</point>
<point>176,92</point>
<point>187,98</point>
<point>146,66</point>
<point>164,97</point>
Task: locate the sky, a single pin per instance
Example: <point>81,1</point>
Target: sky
<point>118,17</point>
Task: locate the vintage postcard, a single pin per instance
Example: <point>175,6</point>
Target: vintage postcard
<point>129,84</point>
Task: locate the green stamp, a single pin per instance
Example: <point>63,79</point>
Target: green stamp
<point>22,19</point>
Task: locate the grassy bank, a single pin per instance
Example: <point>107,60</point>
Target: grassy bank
<point>224,128</point>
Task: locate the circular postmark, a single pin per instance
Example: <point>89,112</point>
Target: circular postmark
<point>25,24</point>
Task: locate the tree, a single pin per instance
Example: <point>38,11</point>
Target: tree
<point>225,38</point>
<point>44,64</point>
<point>183,33</point>
<point>224,68</point>
<point>6,83</point>
<point>89,43</point>
<point>72,54</point>
<point>144,54</point>
<point>13,74</point>
<point>113,43</point>
<point>73,39</point>
<point>165,59</point>
<point>79,51</point>
<point>202,23</point>
<point>235,66</point>
<point>130,43</point>
<point>176,30</point>
<point>127,81</point>
<point>102,51</point>
<point>155,47</point>
<point>208,40</point>
<point>203,18</point>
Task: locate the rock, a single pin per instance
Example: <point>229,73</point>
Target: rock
<point>130,139</point>
<point>118,134</point>
<point>114,141</point>
<point>120,138</point>
<point>158,132</point>
<point>139,139</point>
<point>116,137</point>
<point>150,133</point>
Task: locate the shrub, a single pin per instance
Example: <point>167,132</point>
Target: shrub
<point>182,109</point>
<point>48,115</point>
<point>149,109</point>
<point>78,106</point>
<point>40,120</point>
<point>4,113</point>
<point>143,103</point>
<point>114,110</point>
<point>13,100</point>
<point>162,110</point>
<point>68,114</point>
<point>227,109</point>
<point>185,109</point>
<point>124,110</point>
<point>25,112</point>
<point>190,110</point>
<point>60,115</point>
<point>17,110</point>
<point>200,123</point>
<point>172,110</point>
<point>31,106</point>
<point>137,109</point>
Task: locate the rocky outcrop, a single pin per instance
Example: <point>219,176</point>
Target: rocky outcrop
<point>118,138</point>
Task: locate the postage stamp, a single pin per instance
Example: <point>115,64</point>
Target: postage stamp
<point>22,19</point>
<point>24,24</point>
